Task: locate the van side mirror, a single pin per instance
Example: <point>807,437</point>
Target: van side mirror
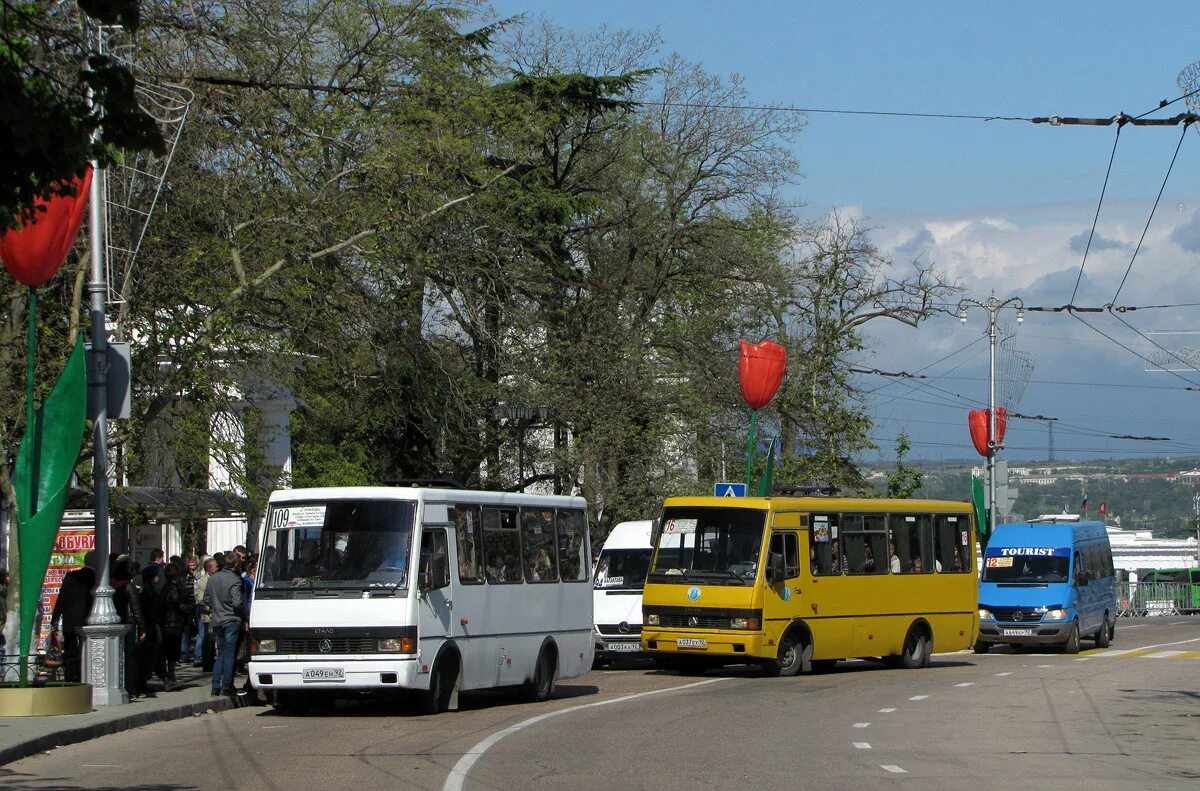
<point>775,571</point>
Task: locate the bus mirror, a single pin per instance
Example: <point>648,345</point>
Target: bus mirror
<point>775,572</point>
<point>437,576</point>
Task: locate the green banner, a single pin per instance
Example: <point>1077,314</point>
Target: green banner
<point>981,519</point>
<point>45,463</point>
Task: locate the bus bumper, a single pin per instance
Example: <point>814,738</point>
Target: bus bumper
<point>1024,633</point>
<point>356,673</point>
<point>729,646</point>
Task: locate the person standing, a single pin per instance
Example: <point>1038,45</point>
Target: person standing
<point>223,595</point>
<point>188,582</point>
<point>174,619</point>
<point>70,614</point>
<point>203,639</point>
<point>127,601</point>
<point>150,655</point>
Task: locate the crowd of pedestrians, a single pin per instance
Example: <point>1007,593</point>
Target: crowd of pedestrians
<point>180,610</point>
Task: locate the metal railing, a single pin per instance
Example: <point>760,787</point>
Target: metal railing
<point>1139,599</point>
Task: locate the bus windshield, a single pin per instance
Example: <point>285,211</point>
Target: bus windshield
<point>709,543</point>
<point>1037,564</point>
<point>337,544</point>
<point>622,568</point>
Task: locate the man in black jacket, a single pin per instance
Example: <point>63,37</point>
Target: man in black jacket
<point>70,615</point>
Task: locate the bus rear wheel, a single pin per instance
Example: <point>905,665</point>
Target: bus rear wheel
<point>541,686</point>
<point>916,649</point>
<point>1102,637</point>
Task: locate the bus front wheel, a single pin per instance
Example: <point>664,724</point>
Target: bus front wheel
<point>790,659</point>
<point>1072,644</point>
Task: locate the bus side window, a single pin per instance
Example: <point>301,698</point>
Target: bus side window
<point>538,540</point>
<point>468,539</point>
<point>946,543</point>
<point>791,555</point>
<point>572,545</point>
<point>501,546</point>
<point>823,541</point>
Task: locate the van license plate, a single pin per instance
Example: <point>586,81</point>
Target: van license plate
<point>624,647</point>
<point>691,642</point>
<point>324,674</point>
<point>1018,633</point>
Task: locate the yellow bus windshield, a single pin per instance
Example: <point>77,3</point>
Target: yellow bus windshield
<point>709,543</point>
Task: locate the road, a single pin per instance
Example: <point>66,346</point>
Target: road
<point>1124,717</point>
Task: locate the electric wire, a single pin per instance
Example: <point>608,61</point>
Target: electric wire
<point>1153,208</point>
<point>1131,351</point>
<point>1112,156</point>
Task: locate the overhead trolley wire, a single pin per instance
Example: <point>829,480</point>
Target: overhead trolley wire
<point>1092,233</point>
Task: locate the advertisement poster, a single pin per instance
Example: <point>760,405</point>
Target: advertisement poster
<point>70,549</point>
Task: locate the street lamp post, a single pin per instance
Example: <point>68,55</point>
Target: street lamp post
<point>523,416</point>
<point>105,634</point>
<point>993,307</point>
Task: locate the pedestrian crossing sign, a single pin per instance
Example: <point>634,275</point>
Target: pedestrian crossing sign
<point>729,490</point>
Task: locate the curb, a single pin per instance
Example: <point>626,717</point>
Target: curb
<point>83,733</point>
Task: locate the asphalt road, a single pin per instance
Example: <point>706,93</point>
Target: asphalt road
<point>1123,717</point>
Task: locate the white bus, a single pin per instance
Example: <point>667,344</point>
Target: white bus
<point>619,579</point>
<point>422,589</point>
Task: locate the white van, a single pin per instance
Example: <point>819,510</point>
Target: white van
<point>617,590</point>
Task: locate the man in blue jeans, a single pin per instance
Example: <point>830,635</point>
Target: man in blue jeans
<point>223,597</point>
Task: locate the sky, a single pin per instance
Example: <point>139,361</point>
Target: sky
<point>1004,208</point>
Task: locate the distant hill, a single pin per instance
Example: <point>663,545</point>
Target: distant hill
<point>1145,494</point>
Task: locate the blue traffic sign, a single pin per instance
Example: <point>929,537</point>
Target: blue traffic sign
<point>729,490</point>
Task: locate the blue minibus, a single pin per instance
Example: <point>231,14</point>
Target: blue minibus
<point>1048,581</point>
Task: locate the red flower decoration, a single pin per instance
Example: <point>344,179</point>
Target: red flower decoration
<point>977,420</point>
<point>760,372</point>
<point>35,252</point>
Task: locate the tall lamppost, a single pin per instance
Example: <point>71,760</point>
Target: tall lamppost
<point>523,416</point>
<point>105,634</point>
<point>993,307</point>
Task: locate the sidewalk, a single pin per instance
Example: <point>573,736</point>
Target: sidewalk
<point>21,737</point>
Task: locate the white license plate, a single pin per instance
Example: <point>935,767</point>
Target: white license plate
<point>1018,633</point>
<point>691,642</point>
<point>324,674</point>
<point>624,647</point>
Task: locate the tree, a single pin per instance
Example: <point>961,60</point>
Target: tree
<point>47,71</point>
<point>903,481</point>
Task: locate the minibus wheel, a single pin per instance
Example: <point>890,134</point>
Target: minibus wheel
<point>541,686</point>
<point>790,658</point>
<point>1072,644</point>
<point>916,649</point>
<point>1102,636</point>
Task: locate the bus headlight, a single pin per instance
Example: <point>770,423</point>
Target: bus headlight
<point>652,619</point>
<point>1055,615</point>
<point>743,623</point>
<point>402,645</point>
<point>985,615</point>
<point>262,647</point>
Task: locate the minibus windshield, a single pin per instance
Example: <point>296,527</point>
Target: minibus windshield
<point>337,544</point>
<point>709,544</point>
<point>1026,564</point>
<point>622,568</point>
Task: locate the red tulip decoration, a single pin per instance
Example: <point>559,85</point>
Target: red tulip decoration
<point>977,420</point>
<point>35,252</point>
<point>760,372</point>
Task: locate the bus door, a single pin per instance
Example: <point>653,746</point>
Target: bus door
<point>435,609</point>
<point>782,599</point>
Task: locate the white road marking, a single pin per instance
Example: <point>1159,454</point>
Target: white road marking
<point>1163,654</point>
<point>862,745</point>
<point>1135,626</point>
<point>886,711</point>
<point>269,727</point>
<point>98,766</point>
<point>1178,623</point>
<point>1045,665</point>
<point>966,684</point>
<point>918,697</point>
<point>862,725</point>
<point>893,769</point>
<point>458,772</point>
<point>1005,673</point>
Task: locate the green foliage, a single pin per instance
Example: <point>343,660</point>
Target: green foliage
<point>46,123</point>
<point>903,481</point>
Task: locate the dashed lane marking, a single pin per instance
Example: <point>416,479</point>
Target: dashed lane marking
<point>893,769</point>
<point>862,725</point>
<point>862,745</point>
<point>918,697</point>
<point>966,684</point>
<point>886,711</point>
<point>1005,673</point>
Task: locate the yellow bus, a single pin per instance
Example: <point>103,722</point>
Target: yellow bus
<point>795,583</point>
